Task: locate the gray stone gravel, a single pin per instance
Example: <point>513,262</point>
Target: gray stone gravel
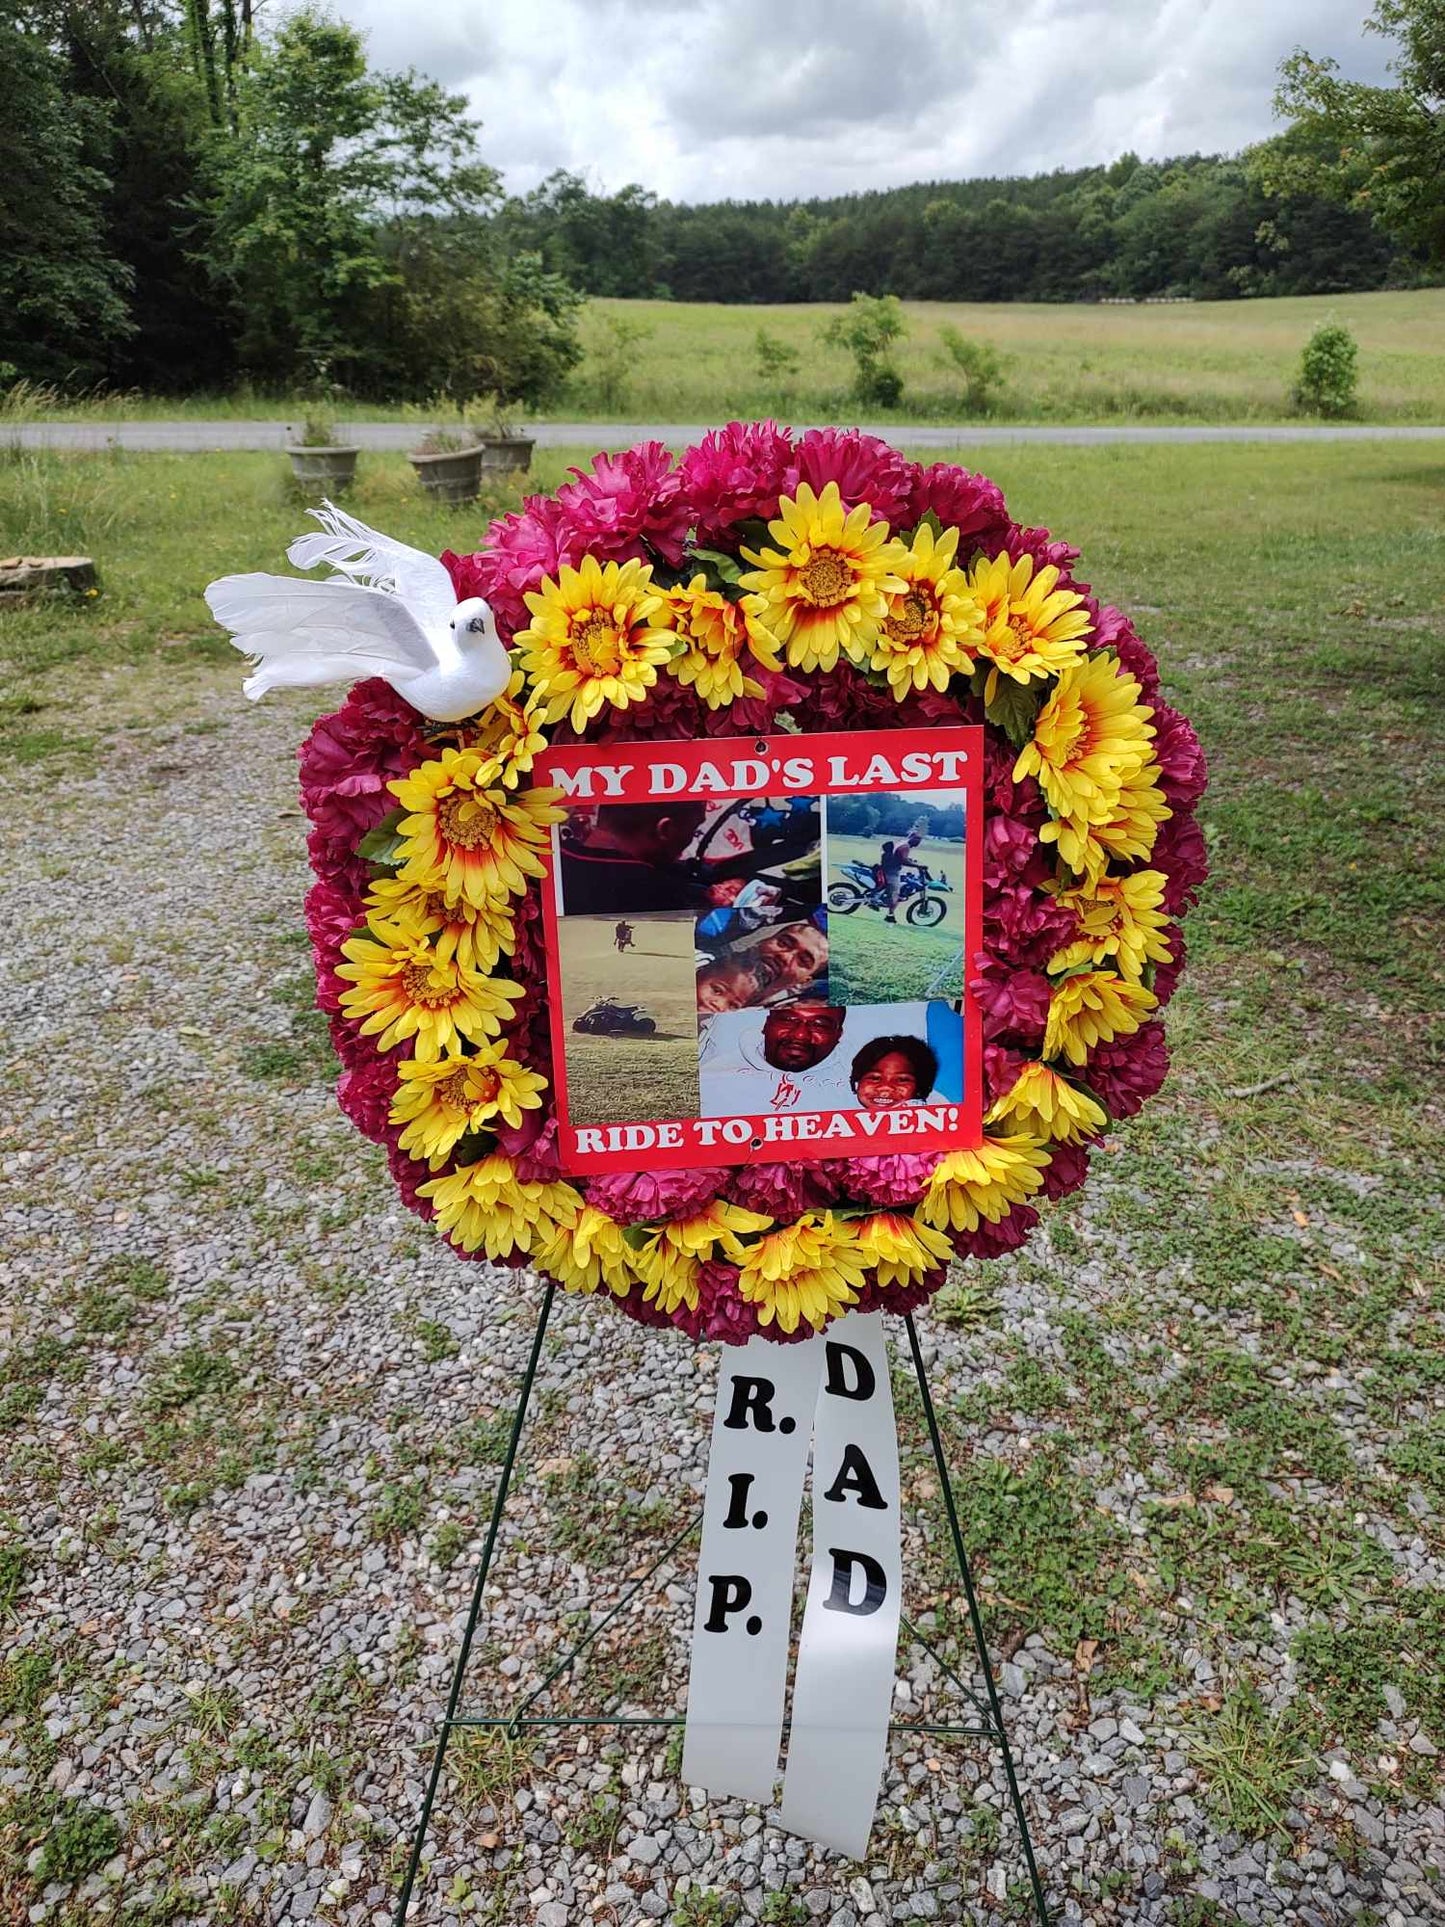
<point>258,1463</point>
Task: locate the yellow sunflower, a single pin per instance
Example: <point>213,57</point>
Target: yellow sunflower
<point>589,1253</point>
<point>672,1254</point>
<point>1119,917</point>
<point>969,1186</point>
<point>1031,628</point>
<point>825,587</point>
<point>465,838</point>
<point>1127,834</point>
<point>1093,1008</point>
<point>1043,1104</point>
<point>719,634</point>
<point>899,1249</point>
<point>486,1207</point>
<point>1091,736</point>
<point>476,936</point>
<point>597,636</point>
<point>509,731</point>
<point>440,1101</point>
<point>401,988</point>
<point>803,1273</point>
<point>934,623</point>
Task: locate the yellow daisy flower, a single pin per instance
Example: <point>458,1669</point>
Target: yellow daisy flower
<point>672,1254</point>
<point>1128,832</point>
<point>509,731</point>
<point>1044,1104</point>
<point>934,623</point>
<point>588,1254</point>
<point>486,1207</point>
<point>1120,917</point>
<point>899,1249</point>
<point>969,1186</point>
<point>718,634</point>
<point>597,636</point>
<point>1031,628</point>
<point>1090,737</point>
<point>466,839</point>
<point>401,988</point>
<point>1091,1009</point>
<point>476,936</point>
<point>825,587</point>
<point>803,1273</point>
<point>440,1101</point>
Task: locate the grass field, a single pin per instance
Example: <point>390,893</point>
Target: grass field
<point>631,1080</point>
<point>1206,361</point>
<point>871,961</point>
<point>1201,1455</point>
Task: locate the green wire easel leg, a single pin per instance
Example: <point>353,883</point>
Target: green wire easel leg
<point>992,1726</point>
<point>976,1621</point>
<point>459,1671</point>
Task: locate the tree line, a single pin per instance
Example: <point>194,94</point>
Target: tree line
<point>186,201</point>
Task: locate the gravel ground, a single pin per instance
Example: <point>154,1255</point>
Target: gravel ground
<point>255,1423</point>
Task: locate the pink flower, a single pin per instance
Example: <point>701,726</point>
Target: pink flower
<point>1014,1003</point>
<point>347,1041</point>
<point>1166,976</point>
<point>899,1299</point>
<point>346,763</point>
<point>1128,1072</point>
<point>993,1240</point>
<point>865,469</point>
<point>364,1093</point>
<point>627,500</point>
<point>970,503</point>
<point>332,915</point>
<point>1183,772</point>
<point>845,699</point>
<point>735,474</point>
<point>1024,927</point>
<point>751,715</point>
<point>640,1197</point>
<point>1046,550</point>
<point>784,1191</point>
<point>1066,1170</point>
<point>1180,852</point>
<point>1113,630</point>
<point>724,1313</point>
<point>521,549</point>
<point>1001,1068</point>
<point>407,1174</point>
<point>886,1181</point>
<point>1012,854</point>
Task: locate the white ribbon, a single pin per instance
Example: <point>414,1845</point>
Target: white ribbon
<point>771,1400</point>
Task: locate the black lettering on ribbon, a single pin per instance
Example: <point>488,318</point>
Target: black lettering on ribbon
<point>839,1357</point>
<point>875,1583</point>
<point>754,1396</point>
<point>855,1475</point>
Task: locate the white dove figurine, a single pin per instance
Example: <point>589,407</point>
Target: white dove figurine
<point>388,610</point>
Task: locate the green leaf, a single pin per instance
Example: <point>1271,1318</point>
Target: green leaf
<point>926,521</point>
<point>725,566</point>
<point>382,845</point>
<point>1015,709</point>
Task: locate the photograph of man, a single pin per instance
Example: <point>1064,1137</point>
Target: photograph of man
<point>622,935</point>
<point>893,860</point>
<point>787,1059</point>
<point>781,964</point>
<point>893,1070</point>
<point>624,857</point>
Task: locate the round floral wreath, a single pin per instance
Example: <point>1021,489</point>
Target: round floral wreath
<point>759,582</point>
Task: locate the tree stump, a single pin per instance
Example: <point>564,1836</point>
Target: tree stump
<point>24,576</point>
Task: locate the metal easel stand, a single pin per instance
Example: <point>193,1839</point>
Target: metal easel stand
<point>987,1722</point>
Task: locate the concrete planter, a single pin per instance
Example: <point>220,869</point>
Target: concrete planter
<point>330,469</point>
<point>452,476</point>
<point>507,454</point>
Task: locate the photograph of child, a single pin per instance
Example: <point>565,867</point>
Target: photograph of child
<point>764,937</point>
<point>813,1056</point>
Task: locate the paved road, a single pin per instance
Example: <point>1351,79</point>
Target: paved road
<point>197,435</point>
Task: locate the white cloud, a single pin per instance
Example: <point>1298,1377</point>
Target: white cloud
<point>756,99</point>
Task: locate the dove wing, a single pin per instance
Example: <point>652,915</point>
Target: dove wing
<point>368,556</point>
<point>307,634</point>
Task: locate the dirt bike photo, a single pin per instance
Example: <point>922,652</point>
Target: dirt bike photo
<point>921,897</point>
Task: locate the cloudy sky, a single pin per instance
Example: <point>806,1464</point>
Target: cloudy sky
<point>705,99</point>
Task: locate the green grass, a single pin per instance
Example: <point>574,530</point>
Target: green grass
<point>1205,361</point>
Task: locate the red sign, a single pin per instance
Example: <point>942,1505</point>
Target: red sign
<point>757,947</point>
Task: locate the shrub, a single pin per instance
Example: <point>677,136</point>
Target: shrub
<point>980,364</point>
<point>868,331</point>
<point>1328,375</point>
<point>612,359</point>
<point>775,361</point>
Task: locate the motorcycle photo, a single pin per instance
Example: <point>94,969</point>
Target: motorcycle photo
<point>920,894</point>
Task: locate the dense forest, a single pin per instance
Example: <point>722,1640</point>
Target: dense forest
<point>187,200</point>
<point>1202,226</point>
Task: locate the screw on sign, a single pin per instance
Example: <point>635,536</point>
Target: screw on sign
<point>725,702</point>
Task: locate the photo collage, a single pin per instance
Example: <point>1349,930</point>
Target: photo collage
<point>761,954</point>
